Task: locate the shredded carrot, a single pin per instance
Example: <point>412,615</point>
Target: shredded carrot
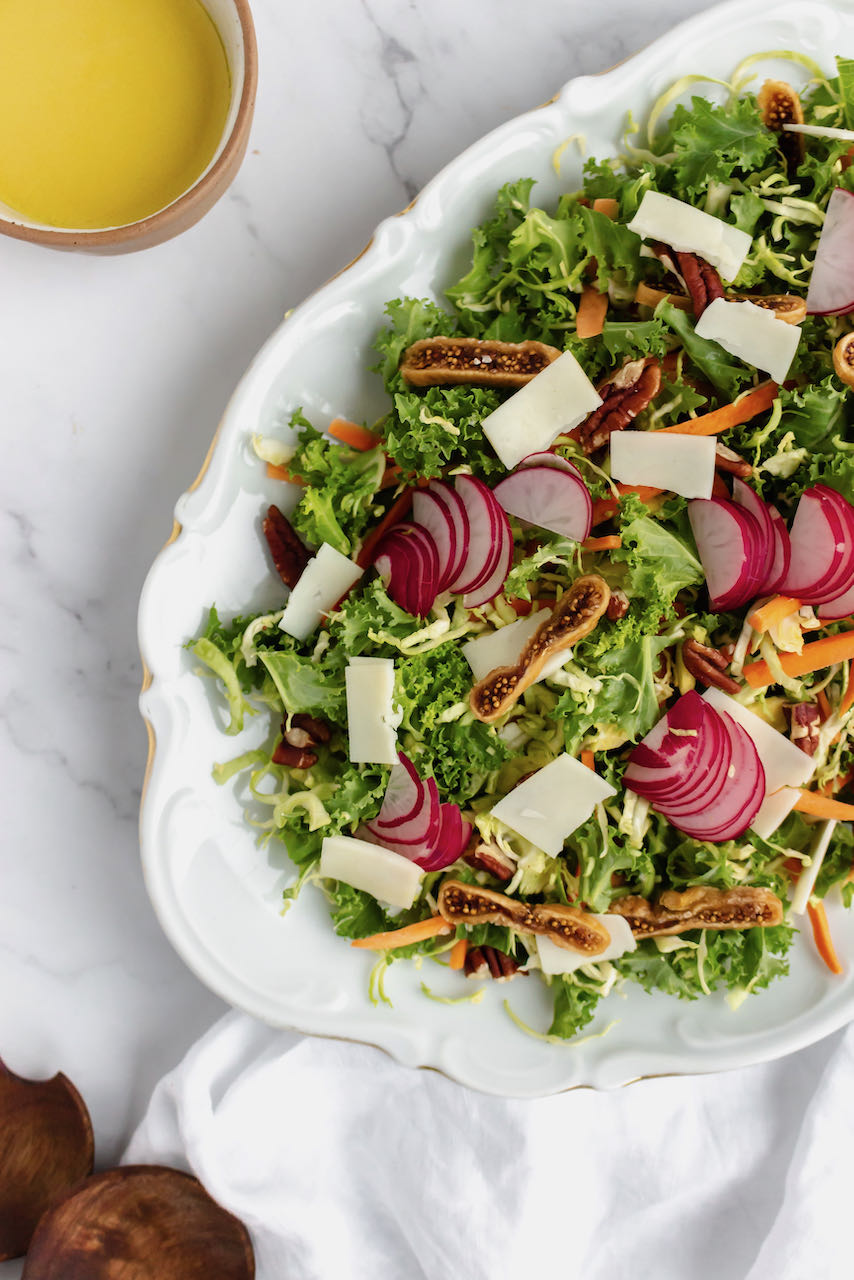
<point>646,296</point>
<point>794,866</point>
<point>592,310</point>
<point>605,508</point>
<point>608,206</point>
<point>823,705</point>
<point>731,415</point>
<point>520,607</point>
<point>457,958</point>
<point>848,695</point>
<point>588,761</point>
<point>821,934</point>
<point>352,434</point>
<point>282,473</point>
<point>396,512</point>
<point>391,476</point>
<point>609,543</point>
<point>823,807</point>
<point>773,612</point>
<point>821,653</point>
<point>418,932</point>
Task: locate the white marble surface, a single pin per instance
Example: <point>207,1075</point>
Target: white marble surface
<point>113,374</point>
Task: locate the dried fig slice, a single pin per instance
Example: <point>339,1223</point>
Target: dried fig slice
<point>573,617</point>
<point>137,1223</point>
<point>786,306</point>
<point>778,105</point>
<point>435,362</point>
<point>46,1146</point>
<point>746,907</point>
<point>568,927</point>
<point>843,359</point>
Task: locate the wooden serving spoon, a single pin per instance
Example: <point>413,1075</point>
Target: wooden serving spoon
<point>46,1146</point>
<point>139,1222</point>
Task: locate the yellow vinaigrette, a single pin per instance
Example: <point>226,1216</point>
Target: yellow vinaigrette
<point>109,109</point>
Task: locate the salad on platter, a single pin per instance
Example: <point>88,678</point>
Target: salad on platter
<point>562,684</point>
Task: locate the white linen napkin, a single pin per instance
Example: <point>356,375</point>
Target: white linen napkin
<point>345,1165</point>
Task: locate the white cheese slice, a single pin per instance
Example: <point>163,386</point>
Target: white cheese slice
<point>752,334</point>
<point>501,648</point>
<point>371,718</point>
<point>664,460</point>
<point>787,768</point>
<point>548,806</point>
<point>556,400</point>
<point>379,871</point>
<point>690,230</point>
<point>322,584</point>
<point>555,959</point>
<point>809,875</point>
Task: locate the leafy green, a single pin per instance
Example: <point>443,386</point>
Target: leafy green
<point>303,685</point>
<point>574,1006</point>
<point>340,485</point>
<point>725,374</point>
<point>661,560</point>
<point>713,143</point>
<point>213,657</point>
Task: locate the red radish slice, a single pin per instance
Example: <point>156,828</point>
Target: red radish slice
<point>484,518</point>
<point>408,562</point>
<point>483,594</point>
<point>555,460</point>
<point>731,547</point>
<point>730,814</point>
<point>822,541</point>
<point>751,501</point>
<point>454,835</point>
<point>831,289</point>
<point>457,512</point>
<point>782,554</point>
<point>404,794</point>
<point>422,829</point>
<point>553,499</point>
<point>432,514</point>
<point>841,607</point>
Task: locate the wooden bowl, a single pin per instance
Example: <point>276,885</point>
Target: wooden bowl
<point>233,20</point>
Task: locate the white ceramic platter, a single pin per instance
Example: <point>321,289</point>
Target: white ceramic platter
<point>217,894</point>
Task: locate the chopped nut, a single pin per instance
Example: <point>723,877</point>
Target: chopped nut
<point>489,962</point>
<point>708,666</point>
<point>573,617</point>
<point>289,555</point>
<point>701,279</point>
<point>624,395</point>
<point>779,104</point>
<point>568,927</point>
<point>433,362</point>
<point>300,733</point>
<point>732,463</point>
<point>700,908</point>
<point>804,721</point>
<point>843,359</point>
<point>486,856</point>
<point>618,606</point>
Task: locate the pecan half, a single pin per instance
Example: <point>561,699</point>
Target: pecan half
<point>804,721</point>
<point>289,555</point>
<point>573,617</point>
<point>568,927</point>
<point>843,359</point>
<point>732,463</point>
<point>299,735</point>
<point>618,606</point>
<point>778,105</point>
<point>486,856</point>
<point>786,306</point>
<point>701,279</point>
<point>700,908</point>
<point>434,362</point>
<point>708,666</point>
<point>624,395</point>
<point>489,962</point>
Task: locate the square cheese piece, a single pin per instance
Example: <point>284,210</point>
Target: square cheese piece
<point>688,230</point>
<point>548,806</point>
<point>752,334</point>
<point>321,585</point>
<point>556,400</point>
<point>664,460</point>
<point>371,718</point>
<point>381,872</point>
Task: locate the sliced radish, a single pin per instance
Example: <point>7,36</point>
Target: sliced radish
<point>841,607</point>
<point>831,289</point>
<point>731,812</point>
<point>546,459</point>
<point>454,835</point>
<point>554,499</point>
<point>408,562</point>
<point>782,554</point>
<point>751,501</point>
<point>433,515</point>
<point>404,795</point>
<point>822,541</point>
<point>490,588</point>
<point>732,550</point>
<point>457,512</point>
<point>484,518</point>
